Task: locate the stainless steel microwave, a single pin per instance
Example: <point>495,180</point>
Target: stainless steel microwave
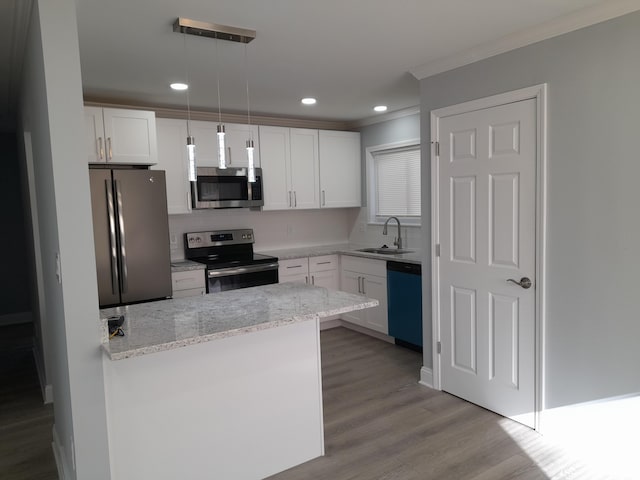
<point>226,188</point>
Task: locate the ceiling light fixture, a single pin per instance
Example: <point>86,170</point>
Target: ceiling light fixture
<point>218,32</point>
<point>179,86</point>
<point>308,101</point>
<point>191,142</point>
<point>380,108</point>
<point>251,173</point>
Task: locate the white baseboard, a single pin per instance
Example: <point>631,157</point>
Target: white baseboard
<point>58,453</point>
<point>45,388</point>
<point>426,377</point>
<point>15,318</point>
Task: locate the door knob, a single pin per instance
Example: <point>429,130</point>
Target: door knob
<point>524,282</point>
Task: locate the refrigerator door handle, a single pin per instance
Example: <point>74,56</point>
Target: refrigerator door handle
<point>112,238</point>
<point>123,248</point>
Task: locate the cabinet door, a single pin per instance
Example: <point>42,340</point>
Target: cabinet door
<point>274,155</point>
<point>236,136</point>
<point>376,317</point>
<point>205,135</point>
<point>304,168</point>
<point>131,136</point>
<point>172,158</point>
<point>350,282</point>
<point>340,169</point>
<point>94,135</point>
<point>326,278</point>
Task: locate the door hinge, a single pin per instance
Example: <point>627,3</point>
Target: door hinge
<point>437,249</point>
<point>439,347</point>
<point>436,148</point>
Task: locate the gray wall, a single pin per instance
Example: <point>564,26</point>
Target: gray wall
<point>383,133</point>
<point>593,76</point>
<point>51,114</point>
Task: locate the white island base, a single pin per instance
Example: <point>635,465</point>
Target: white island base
<point>241,407</point>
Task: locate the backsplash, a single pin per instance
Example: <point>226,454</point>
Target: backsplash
<point>273,230</point>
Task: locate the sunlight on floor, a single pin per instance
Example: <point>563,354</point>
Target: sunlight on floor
<point>595,440</point>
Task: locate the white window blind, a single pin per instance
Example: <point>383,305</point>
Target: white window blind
<point>397,182</point>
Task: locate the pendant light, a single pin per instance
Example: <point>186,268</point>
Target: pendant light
<point>191,142</point>
<point>217,32</point>
<point>222,159</point>
<point>251,173</point>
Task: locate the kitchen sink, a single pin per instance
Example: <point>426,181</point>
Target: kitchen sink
<point>384,251</point>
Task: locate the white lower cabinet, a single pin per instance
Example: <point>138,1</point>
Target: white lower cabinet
<point>321,271</point>
<point>366,277</point>
<point>188,284</point>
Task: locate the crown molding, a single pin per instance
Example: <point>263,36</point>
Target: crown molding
<point>385,117</point>
<point>210,116</point>
<point>558,26</point>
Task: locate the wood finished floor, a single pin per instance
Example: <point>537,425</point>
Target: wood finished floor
<point>381,424</point>
<point>25,422</point>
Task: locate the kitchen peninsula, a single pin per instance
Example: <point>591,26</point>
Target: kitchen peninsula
<point>225,385</point>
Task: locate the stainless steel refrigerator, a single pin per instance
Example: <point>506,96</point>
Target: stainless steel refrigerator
<point>131,234</point>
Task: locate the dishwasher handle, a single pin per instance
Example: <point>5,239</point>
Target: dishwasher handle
<point>411,268</point>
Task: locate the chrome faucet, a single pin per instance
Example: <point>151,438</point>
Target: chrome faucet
<point>398,241</point>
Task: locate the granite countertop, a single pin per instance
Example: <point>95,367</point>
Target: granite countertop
<point>186,265</point>
<point>168,324</point>
<point>343,249</point>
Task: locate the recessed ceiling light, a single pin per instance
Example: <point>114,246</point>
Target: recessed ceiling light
<point>179,86</point>
<point>308,101</point>
<point>380,108</point>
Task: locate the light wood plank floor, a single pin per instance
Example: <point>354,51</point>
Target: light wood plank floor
<point>381,424</point>
<point>25,422</point>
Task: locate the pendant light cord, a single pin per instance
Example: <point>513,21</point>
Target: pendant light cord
<point>218,81</point>
<point>246,67</point>
<point>186,69</point>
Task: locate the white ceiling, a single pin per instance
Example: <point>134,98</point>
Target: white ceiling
<point>349,54</point>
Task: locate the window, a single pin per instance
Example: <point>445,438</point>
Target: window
<point>394,184</point>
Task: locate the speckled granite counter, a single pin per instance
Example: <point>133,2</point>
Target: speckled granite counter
<point>168,324</point>
<point>343,249</point>
<point>186,265</point>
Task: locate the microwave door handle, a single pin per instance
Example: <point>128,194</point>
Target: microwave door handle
<point>227,272</point>
<point>123,248</point>
<point>112,238</point>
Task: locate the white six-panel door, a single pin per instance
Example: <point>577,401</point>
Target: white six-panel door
<point>487,219</point>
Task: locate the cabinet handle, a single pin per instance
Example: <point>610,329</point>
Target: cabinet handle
<point>359,288</point>
<point>295,266</point>
<point>313,280</point>
<point>229,155</point>
<point>363,292</point>
<point>306,279</point>
<point>324,199</point>
<point>295,199</point>
<point>110,149</point>
<point>323,263</point>
<point>289,198</point>
<point>100,149</point>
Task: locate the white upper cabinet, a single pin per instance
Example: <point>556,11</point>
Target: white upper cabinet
<point>236,135</point>
<point>290,171</point>
<point>340,169</point>
<point>172,158</point>
<point>275,150</point>
<point>122,136</point>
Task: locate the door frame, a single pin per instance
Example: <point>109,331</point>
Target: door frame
<point>539,94</point>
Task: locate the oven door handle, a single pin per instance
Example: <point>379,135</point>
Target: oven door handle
<point>226,272</point>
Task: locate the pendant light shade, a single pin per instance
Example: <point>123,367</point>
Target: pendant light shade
<point>251,166</point>
<point>222,159</point>
<point>191,154</point>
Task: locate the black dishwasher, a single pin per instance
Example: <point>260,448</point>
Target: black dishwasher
<point>404,291</point>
